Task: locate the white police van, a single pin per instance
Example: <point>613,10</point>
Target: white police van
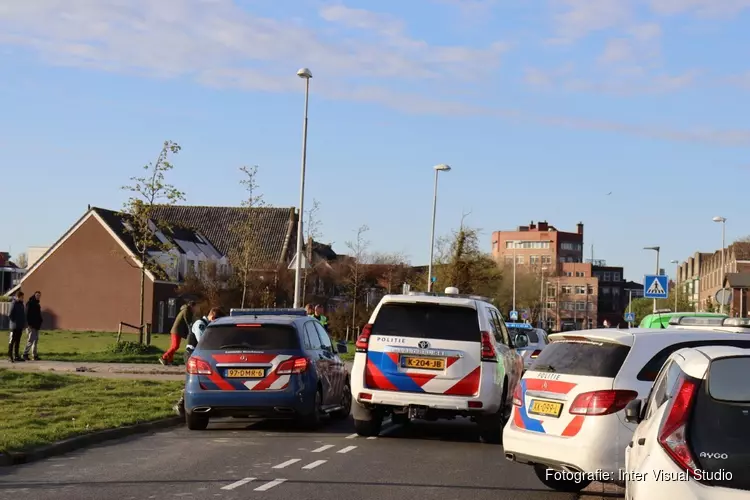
<point>435,356</point>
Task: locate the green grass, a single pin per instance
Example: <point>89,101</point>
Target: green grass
<point>100,347</point>
<point>41,408</point>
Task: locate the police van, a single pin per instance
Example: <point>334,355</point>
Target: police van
<point>435,356</point>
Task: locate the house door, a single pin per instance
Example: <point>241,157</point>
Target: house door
<point>161,317</point>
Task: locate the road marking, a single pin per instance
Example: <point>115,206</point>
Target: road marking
<point>346,450</point>
<point>286,464</point>
<point>372,437</point>
<point>239,483</point>
<point>269,485</point>
<point>351,436</point>
<point>314,464</point>
<point>323,448</point>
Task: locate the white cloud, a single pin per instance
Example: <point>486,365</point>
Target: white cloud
<point>699,7</point>
<point>578,18</point>
<point>645,32</point>
<point>617,50</point>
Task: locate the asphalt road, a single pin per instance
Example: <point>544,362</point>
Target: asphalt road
<point>238,459</point>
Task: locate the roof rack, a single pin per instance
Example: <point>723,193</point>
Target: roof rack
<point>524,326</point>
<point>698,321</point>
<point>454,295</point>
<point>267,311</point>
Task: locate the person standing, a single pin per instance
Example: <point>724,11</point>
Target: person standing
<point>180,330</point>
<point>33,324</point>
<point>310,310</point>
<point>321,317</point>
<point>17,318</point>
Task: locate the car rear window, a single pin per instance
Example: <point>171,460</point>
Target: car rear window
<point>584,357</point>
<point>651,369</point>
<point>264,337</point>
<point>530,333</point>
<point>718,429</point>
<point>425,320</point>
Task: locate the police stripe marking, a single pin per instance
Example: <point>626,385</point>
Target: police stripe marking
<point>346,450</point>
<point>287,463</point>
<point>241,482</point>
<point>314,464</point>
<point>323,448</point>
<point>270,485</point>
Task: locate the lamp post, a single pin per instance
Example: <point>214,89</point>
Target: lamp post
<point>723,221</point>
<point>515,244</point>
<point>306,74</point>
<point>657,250</point>
<point>438,168</point>
<point>676,273</point>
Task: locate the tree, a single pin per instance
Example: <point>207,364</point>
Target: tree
<point>241,257</point>
<point>22,260</point>
<point>146,193</point>
<point>312,232</point>
<point>391,270</point>
<point>357,259</point>
<point>642,307</point>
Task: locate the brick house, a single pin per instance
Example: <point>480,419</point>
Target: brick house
<point>90,278</point>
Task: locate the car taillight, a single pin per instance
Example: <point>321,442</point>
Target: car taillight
<point>518,396</point>
<point>364,338</point>
<point>601,402</point>
<point>290,366</point>
<point>672,433</point>
<point>488,347</point>
<point>198,366</point>
<point>535,354</point>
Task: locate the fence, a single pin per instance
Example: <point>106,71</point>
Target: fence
<point>4,312</point>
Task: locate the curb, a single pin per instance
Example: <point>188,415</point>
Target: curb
<point>78,442</point>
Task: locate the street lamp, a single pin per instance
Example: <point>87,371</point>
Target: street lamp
<point>723,221</point>
<point>438,168</point>
<point>657,250</point>
<point>676,273</point>
<point>306,74</point>
<point>515,245</point>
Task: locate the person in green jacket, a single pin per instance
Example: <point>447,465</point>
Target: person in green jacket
<point>321,317</point>
<point>180,330</point>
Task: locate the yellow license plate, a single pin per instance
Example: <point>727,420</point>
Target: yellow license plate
<point>425,363</point>
<point>246,373</point>
<point>545,408</point>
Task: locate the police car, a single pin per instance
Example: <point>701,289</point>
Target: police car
<point>432,356</point>
<point>267,363</point>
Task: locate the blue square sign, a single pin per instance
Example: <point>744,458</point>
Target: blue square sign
<point>655,286</point>
<point>630,317</point>
<point>514,315</point>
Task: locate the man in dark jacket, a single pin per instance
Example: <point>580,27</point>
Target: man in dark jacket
<point>180,330</point>
<point>17,318</point>
<point>34,322</point>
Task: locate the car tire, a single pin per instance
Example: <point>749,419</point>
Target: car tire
<point>312,419</point>
<point>196,422</point>
<point>369,428</point>
<point>400,418</point>
<point>562,485</point>
<point>491,426</point>
<point>346,404</point>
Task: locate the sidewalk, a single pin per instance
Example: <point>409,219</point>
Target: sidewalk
<point>105,370</point>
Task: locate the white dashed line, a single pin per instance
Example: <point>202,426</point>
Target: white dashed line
<point>346,450</point>
<point>323,448</point>
<point>372,437</point>
<point>239,483</point>
<point>351,436</point>
<point>286,464</point>
<point>314,464</point>
<point>270,485</point>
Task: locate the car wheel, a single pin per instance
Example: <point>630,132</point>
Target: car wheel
<point>312,419</point>
<point>196,422</point>
<point>547,477</point>
<point>346,404</point>
<point>369,428</point>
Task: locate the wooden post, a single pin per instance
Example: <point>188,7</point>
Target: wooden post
<point>148,333</point>
<point>119,332</point>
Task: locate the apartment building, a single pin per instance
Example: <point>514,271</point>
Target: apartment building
<point>688,278</point>
<point>538,245</point>
<point>572,298</point>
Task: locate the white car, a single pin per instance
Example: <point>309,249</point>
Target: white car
<point>693,441</point>
<point>529,341</point>
<point>568,418</point>
<point>431,356</point>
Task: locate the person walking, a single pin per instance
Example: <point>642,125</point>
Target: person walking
<point>33,324</point>
<point>321,317</point>
<point>180,330</point>
<point>17,318</point>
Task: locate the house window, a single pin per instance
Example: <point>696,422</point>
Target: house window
<point>562,259</point>
<point>190,267</point>
<point>592,306</point>
<point>519,259</point>
<point>551,304</point>
<point>509,259</point>
<point>566,289</point>
<point>580,306</point>
<point>606,290</point>
<point>607,276</point>
<point>172,308</point>
<point>580,274</point>
<point>551,291</point>
<point>546,259</point>
<point>598,275</point>
<point>590,290</point>
<point>581,290</point>
<point>534,260</point>
<point>568,306</point>
<point>616,277</point>
<point>201,268</point>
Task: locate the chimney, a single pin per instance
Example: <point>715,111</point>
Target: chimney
<point>580,228</point>
<point>543,226</point>
<point>532,226</point>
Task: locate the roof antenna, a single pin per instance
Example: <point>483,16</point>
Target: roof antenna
<point>89,207</point>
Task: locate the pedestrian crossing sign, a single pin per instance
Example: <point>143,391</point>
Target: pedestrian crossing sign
<point>655,286</point>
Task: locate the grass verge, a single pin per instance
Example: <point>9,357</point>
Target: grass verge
<point>101,347</point>
<point>39,408</point>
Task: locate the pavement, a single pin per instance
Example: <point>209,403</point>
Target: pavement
<point>239,459</point>
<point>106,370</point>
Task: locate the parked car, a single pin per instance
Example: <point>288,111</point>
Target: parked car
<point>660,319</point>
<point>529,341</point>
<point>568,418</point>
<point>434,356</point>
<point>692,441</point>
<point>270,364</point>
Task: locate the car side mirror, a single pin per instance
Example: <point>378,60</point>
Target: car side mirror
<point>521,340</point>
<point>342,348</point>
<point>633,411</point>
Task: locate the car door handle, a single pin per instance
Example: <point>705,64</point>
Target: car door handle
<point>641,441</point>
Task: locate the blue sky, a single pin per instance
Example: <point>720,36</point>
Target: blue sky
<point>542,107</point>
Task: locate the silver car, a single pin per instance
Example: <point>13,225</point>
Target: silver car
<point>529,341</point>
